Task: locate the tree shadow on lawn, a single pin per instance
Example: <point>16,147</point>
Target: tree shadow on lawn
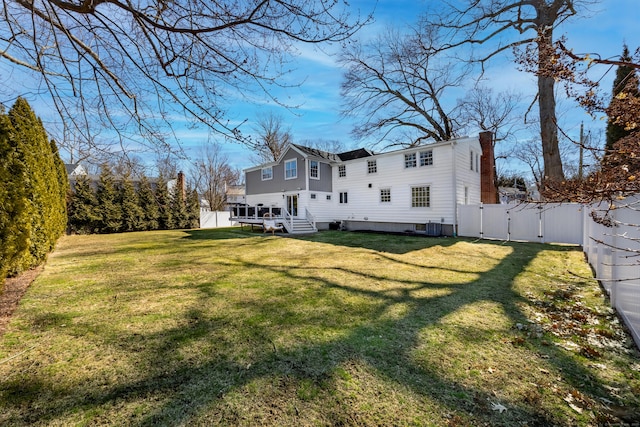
<point>218,233</point>
<point>381,242</point>
<point>385,344</point>
<point>377,241</point>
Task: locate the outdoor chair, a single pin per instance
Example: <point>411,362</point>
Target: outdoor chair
<point>269,224</point>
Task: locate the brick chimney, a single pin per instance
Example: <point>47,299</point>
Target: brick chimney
<point>181,185</point>
<point>488,188</point>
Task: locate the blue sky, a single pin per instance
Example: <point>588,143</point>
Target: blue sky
<point>606,27</point>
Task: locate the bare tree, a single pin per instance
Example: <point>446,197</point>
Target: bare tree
<point>502,25</point>
<point>528,152</point>
<point>128,165</point>
<point>166,165</point>
<point>271,137</point>
<point>493,112</point>
<point>328,145</point>
<point>138,67</point>
<point>617,175</point>
<point>397,85</point>
<point>212,174</point>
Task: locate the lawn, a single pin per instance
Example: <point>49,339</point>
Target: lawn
<point>229,327</point>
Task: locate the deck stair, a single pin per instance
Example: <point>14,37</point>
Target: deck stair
<point>299,226</point>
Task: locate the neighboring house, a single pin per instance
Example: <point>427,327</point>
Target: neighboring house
<point>415,189</point>
<point>235,195</point>
<point>75,169</point>
<point>512,195</point>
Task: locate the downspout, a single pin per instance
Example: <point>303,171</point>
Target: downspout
<point>455,188</point>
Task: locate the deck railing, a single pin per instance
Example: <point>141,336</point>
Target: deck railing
<point>254,212</point>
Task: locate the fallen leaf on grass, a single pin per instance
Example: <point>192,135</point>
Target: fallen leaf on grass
<point>498,407</point>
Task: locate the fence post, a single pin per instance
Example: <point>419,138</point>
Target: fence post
<point>481,229</point>
<point>616,251</point>
<point>540,236</point>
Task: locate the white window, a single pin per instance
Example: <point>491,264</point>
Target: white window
<point>471,161</point>
<point>420,197</point>
<point>342,171</point>
<point>385,195</point>
<point>291,169</point>
<point>314,169</point>
<point>372,166</point>
<point>343,197</point>
<point>410,160</point>
<point>426,158</point>
<point>267,173</point>
<point>328,196</point>
<point>477,162</point>
<point>466,195</point>
<point>313,196</point>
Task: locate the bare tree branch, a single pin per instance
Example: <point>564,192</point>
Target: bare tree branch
<point>396,83</point>
<point>501,25</point>
<point>139,68</point>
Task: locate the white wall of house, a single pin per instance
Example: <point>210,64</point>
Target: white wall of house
<point>446,178</point>
<point>453,178</point>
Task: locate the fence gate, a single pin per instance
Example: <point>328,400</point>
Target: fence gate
<point>531,222</point>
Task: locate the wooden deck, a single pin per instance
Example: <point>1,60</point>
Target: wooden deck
<point>255,215</point>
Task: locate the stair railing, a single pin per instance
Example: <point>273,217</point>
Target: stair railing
<point>310,218</point>
<point>287,220</point>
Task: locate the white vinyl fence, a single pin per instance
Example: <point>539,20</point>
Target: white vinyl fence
<point>611,242</point>
<point>530,222</point>
<point>215,219</point>
<point>612,246</point>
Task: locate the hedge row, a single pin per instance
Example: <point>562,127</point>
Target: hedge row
<point>115,205</point>
<point>33,191</point>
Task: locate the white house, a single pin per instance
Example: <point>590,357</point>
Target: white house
<point>75,169</point>
<point>414,189</point>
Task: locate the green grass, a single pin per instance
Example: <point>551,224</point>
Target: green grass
<point>228,327</point>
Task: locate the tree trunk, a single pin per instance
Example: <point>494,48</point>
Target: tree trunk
<point>548,122</point>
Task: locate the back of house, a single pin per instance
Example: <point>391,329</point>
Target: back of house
<point>413,189</point>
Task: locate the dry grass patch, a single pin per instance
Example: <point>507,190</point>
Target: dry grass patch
<point>228,327</point>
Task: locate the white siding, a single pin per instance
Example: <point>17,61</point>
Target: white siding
<point>445,178</point>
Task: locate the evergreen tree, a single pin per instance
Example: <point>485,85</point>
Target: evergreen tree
<point>14,206</point>
<point>109,208</point>
<point>163,200</point>
<point>132,214</point>
<point>148,205</point>
<point>179,207</point>
<point>63,187</point>
<point>624,76</point>
<point>193,209</point>
<point>42,188</point>
<point>83,207</point>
